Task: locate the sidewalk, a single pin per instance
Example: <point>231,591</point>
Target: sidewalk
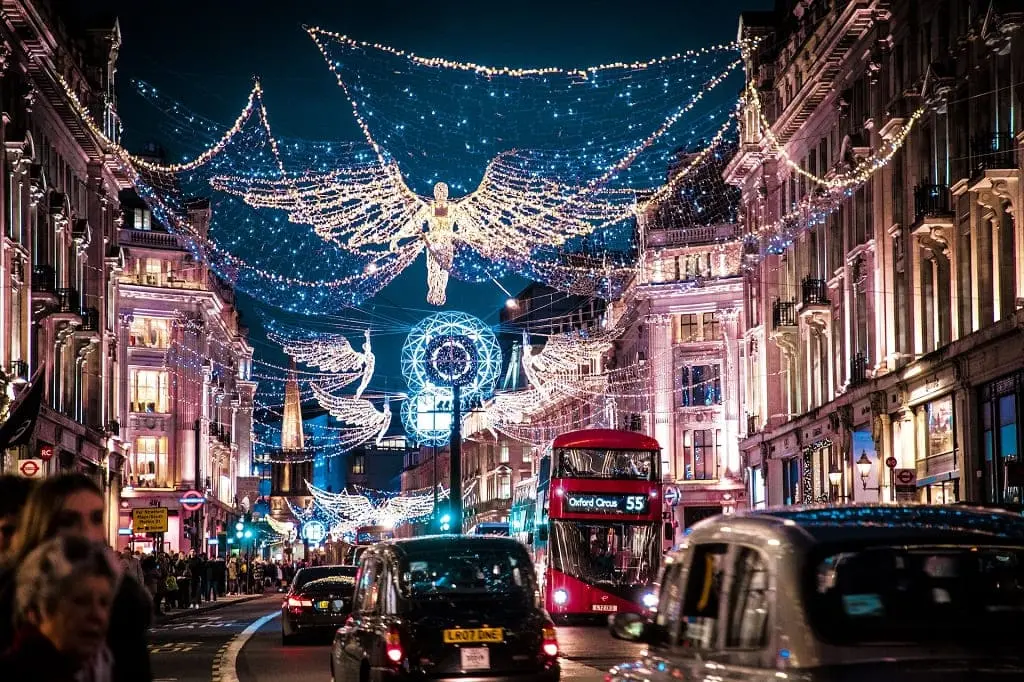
<point>206,607</point>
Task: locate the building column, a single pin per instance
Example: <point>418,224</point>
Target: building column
<point>659,333</point>
<point>731,394</point>
<point>916,294</point>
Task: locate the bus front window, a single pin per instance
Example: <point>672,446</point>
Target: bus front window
<point>613,554</point>
<point>634,465</point>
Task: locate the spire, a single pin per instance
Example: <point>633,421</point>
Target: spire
<point>291,423</point>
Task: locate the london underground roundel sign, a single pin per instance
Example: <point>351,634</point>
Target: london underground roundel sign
<point>192,500</point>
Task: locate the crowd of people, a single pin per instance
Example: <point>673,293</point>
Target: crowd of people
<point>72,609</point>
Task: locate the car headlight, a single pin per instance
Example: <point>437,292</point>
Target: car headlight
<point>650,600</point>
<point>560,596</point>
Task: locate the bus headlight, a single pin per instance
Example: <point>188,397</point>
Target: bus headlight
<point>650,600</point>
<point>560,596</point>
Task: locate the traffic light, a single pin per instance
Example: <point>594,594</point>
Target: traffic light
<point>444,521</point>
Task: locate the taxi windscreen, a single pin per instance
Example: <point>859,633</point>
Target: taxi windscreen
<point>911,594</point>
<point>466,572</point>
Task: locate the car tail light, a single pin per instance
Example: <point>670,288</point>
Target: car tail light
<point>393,646</point>
<point>549,640</point>
<point>299,602</point>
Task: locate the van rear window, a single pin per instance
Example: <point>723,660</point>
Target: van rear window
<point>911,594</point>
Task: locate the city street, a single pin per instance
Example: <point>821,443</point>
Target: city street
<point>203,647</point>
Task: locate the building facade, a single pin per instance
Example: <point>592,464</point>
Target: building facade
<point>58,321</point>
<point>184,383</point>
<point>884,309</point>
<point>492,464</point>
<point>682,330</point>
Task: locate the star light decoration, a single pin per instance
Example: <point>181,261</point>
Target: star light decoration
<point>444,349</point>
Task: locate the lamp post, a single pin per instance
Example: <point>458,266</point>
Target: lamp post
<point>864,466</point>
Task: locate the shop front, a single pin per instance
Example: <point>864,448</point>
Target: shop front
<point>1001,413</point>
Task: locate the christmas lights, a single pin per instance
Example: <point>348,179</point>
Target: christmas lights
<point>356,411</point>
<point>333,354</point>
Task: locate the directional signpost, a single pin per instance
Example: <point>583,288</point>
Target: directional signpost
<point>149,520</point>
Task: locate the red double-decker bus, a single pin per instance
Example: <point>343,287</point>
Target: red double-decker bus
<point>599,525</point>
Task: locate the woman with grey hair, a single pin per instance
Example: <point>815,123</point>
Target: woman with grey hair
<point>63,594</point>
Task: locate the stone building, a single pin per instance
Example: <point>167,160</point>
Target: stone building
<point>884,314</point>
<point>59,198</point>
<point>184,383</point>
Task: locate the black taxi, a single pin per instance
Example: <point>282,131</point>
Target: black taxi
<point>446,607</point>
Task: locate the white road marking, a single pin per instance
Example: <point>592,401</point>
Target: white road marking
<point>228,662</point>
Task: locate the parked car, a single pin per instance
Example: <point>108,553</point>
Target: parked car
<point>909,593</point>
<point>446,607</point>
<point>319,600</point>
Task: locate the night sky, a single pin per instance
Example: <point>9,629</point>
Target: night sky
<point>204,54</point>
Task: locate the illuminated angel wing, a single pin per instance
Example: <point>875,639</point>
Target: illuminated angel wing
<point>353,208</point>
<point>331,353</point>
<point>365,419</point>
<point>405,507</point>
<point>341,506</point>
<point>515,211</point>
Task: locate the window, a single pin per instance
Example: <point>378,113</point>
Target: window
<point>359,464</point>
<point>701,385</point>
<point>686,328</point>
<point>712,327</point>
<point>790,480</point>
<point>757,488</point>
<point>527,454</point>
<point>1001,440</point>
<point>747,626</point>
<point>504,487</point>
<point>150,470</point>
<point>153,272</point>
<point>148,391</point>
<point>503,453</point>
<point>143,219</point>
<point>368,586</point>
<point>150,332</point>
<point>640,465</point>
<point>700,455</point>
<point>703,596</point>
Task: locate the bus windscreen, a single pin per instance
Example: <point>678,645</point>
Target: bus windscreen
<point>631,465</point>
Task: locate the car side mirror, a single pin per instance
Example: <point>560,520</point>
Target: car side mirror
<point>542,533</point>
<point>633,627</point>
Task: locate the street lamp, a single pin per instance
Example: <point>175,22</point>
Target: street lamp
<point>864,469</point>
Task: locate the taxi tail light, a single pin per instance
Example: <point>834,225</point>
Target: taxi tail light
<point>549,640</point>
<point>299,603</point>
<point>393,646</point>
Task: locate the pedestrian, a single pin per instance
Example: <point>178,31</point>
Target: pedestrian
<point>233,574</point>
<point>220,571</point>
<point>64,590</point>
<point>209,591</point>
<point>73,505</point>
<point>14,492</point>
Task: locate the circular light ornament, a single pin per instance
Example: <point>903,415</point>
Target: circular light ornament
<point>451,360</point>
<point>452,355</point>
<point>427,415</point>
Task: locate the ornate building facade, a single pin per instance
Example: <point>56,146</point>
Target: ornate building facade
<point>184,383</point>
<point>682,328</point>
<point>884,332</point>
<point>58,321</point>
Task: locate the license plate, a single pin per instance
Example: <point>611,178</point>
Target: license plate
<point>322,605</point>
<point>474,636</point>
<point>475,658</point>
<point>606,608</point>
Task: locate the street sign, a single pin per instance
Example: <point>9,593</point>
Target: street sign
<point>891,462</point>
<point>46,453</point>
<point>672,495</point>
<point>31,468</point>
<point>149,519</point>
<point>192,500</point>
<point>906,484</point>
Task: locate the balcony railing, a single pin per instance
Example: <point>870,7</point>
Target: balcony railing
<point>705,234</point>
<point>44,279</point>
<point>148,239</point>
<point>90,320</point>
<point>996,151</point>
<point>931,201</point>
<point>67,300</point>
<point>859,369</point>
<point>815,291</point>
<point>783,314</point>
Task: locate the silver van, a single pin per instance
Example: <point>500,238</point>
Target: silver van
<point>911,593</point>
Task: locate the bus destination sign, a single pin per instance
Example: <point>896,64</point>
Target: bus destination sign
<point>605,503</point>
